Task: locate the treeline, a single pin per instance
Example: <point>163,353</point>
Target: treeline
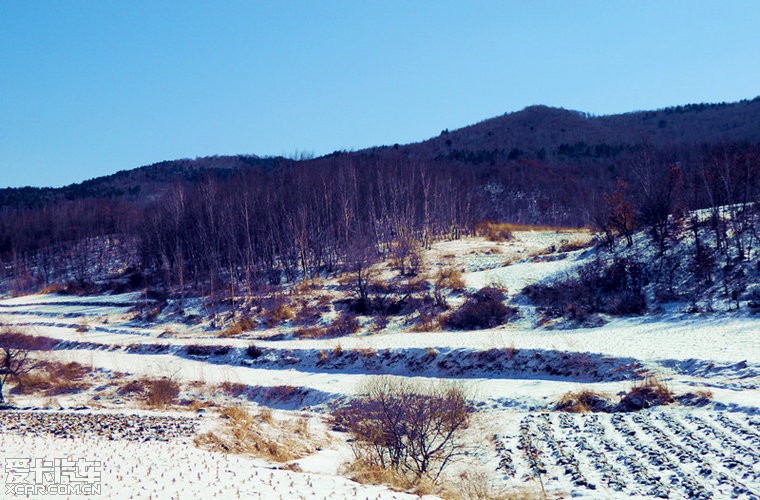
<point>226,235</point>
<point>269,226</point>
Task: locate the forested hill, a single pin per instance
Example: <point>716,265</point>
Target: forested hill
<point>245,220</point>
<point>557,135</point>
<point>543,136</point>
<point>140,185</point>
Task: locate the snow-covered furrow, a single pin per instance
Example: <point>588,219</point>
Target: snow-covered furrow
<point>446,363</point>
<point>653,454</point>
<point>177,469</point>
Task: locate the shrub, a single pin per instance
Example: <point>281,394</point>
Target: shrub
<point>234,389</point>
<point>308,315</point>
<point>484,309</point>
<point>402,426</point>
<point>614,288</point>
<point>51,288</point>
<point>161,392</point>
<point>14,355</point>
<point>253,351</point>
<point>207,350</point>
<point>345,324</point>
<point>53,378</point>
<point>132,387</point>
<point>429,322</point>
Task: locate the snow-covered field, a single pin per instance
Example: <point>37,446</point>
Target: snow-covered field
<point>514,374</point>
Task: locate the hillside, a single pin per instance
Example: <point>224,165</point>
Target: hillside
<point>140,185</point>
<point>250,390</point>
<point>551,136</point>
<point>560,135</point>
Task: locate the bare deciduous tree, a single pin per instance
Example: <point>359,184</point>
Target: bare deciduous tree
<point>406,427</point>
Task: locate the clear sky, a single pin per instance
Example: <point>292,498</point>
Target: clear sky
<point>91,87</point>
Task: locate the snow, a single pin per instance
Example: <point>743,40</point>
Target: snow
<point>178,469</point>
<point>514,374</point>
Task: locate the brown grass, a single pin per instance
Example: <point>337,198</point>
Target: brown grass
<point>365,472</point>
<point>450,278</point>
<point>469,485</point>
<point>650,392</point>
<point>512,227</point>
<point>475,484</point>
<point>195,405</point>
<point>54,378</point>
<point>280,313</point>
<point>494,231</point>
<point>572,245</point>
<point>239,326</point>
<point>233,389</point>
<point>51,288</point>
<point>312,332</point>
<point>259,435</point>
<point>704,394</point>
<point>430,322</point>
<point>132,387</point>
<point>584,401</point>
<point>162,392</point>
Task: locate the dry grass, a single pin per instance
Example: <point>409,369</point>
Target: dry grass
<point>365,472</point>
<point>260,435</point>
<point>450,278</point>
<point>54,378</point>
<point>323,356</point>
<point>704,394</point>
<point>233,389</point>
<point>430,322</point>
<point>239,326</point>
<point>539,228</point>
<point>473,484</point>
<point>51,288</point>
<point>494,231</point>
<point>137,387</point>
<point>195,405</point>
<point>650,392</point>
<point>156,393</point>
<point>367,352</point>
<point>572,245</point>
<point>312,332</point>
<point>161,392</point>
<point>337,350</point>
<point>584,401</point>
<point>280,313</point>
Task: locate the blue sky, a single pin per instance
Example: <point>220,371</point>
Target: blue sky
<point>91,87</point>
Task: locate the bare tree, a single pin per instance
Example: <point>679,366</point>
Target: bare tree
<point>14,355</point>
<point>403,426</point>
